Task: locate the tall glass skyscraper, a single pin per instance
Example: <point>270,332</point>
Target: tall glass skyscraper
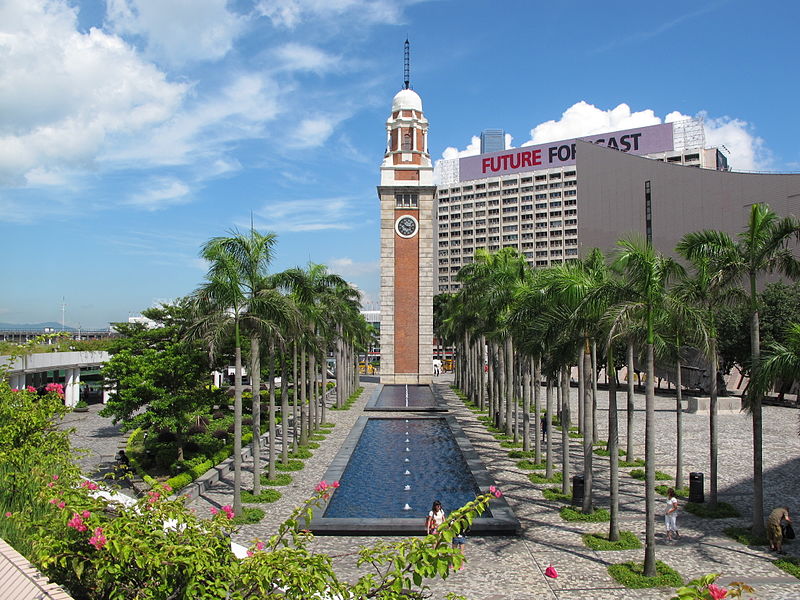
<point>493,140</point>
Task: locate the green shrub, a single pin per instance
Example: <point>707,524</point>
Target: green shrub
<point>679,492</point>
<point>521,454</point>
<point>265,496</point>
<point>292,465</point>
<point>510,444</point>
<point>323,431</point>
<point>502,437</point>
<point>251,515</point>
<point>631,575</point>
<point>179,482</point>
<point>599,541</point>
<point>743,535</point>
<point>790,564</point>
<point>280,479</point>
<point>723,510</point>
<point>328,425</point>
<point>603,451</point>
<point>569,513</point>
<point>557,477</point>
<point>556,495</point>
<point>639,462</point>
<point>575,435</point>
<point>316,437</point>
<point>640,474</point>
<point>310,445</point>
<point>531,466</point>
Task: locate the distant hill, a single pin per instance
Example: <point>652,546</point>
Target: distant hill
<point>36,326</point>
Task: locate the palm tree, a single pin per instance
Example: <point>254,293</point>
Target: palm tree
<point>647,275</point>
<point>781,362</point>
<point>762,247</point>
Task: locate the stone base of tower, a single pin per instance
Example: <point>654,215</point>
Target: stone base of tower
<point>407,378</point>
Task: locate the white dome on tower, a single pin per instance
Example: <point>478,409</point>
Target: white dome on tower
<point>406,100</point>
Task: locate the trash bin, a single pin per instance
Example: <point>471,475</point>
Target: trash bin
<point>577,490</point>
<point>696,488</point>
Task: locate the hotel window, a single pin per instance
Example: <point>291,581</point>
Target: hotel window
<point>406,145</point>
<point>406,200</point>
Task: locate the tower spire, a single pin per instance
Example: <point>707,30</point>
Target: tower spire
<point>407,64</point>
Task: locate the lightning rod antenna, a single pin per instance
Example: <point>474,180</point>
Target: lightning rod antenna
<point>407,64</point>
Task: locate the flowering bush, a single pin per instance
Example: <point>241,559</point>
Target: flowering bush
<point>704,588</point>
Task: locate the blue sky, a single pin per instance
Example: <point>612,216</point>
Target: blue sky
<point>131,131</point>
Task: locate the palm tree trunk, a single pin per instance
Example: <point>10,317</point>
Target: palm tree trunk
<point>613,446</point>
<point>549,438</point>
<point>565,420</point>
<point>650,467</point>
<point>312,393</point>
<point>340,367</point>
<point>481,374</point>
<point>679,424</point>
<point>509,384</point>
<point>237,428</point>
<point>255,381</point>
<point>588,435</point>
<point>713,437</point>
<point>755,406</point>
<point>323,409</point>
<point>490,379</point>
<point>271,471</point>
<point>303,398</point>
<point>526,405</point>
<point>501,377</point>
<point>284,407</point>
<point>581,390</point>
<point>295,396</point>
<point>630,406</point>
<point>537,408</point>
<point>595,437</point>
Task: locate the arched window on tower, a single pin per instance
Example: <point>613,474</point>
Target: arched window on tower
<point>406,145</point>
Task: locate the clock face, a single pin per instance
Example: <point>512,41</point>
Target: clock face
<point>406,226</point>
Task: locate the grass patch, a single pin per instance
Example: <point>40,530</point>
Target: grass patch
<point>292,465</point>
<point>599,541</point>
<point>310,445</point>
<point>531,466</point>
<point>251,515</point>
<point>265,496</point>
<point>328,425</point>
<point>640,474</point>
<point>280,479</point>
<point>323,431</point>
<point>301,452</point>
<point>521,454</point>
<point>502,436</point>
<point>575,435</point>
<point>569,513</point>
<point>722,510</point>
<point>790,564</point>
<point>510,444</point>
<point>679,492</point>
<point>603,451</point>
<point>556,495</point>
<point>317,437</point>
<point>743,535</point>
<point>557,477</point>
<point>639,462</point>
<point>493,429</point>
<point>631,575</point>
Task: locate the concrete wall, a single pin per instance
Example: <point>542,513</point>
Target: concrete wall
<point>684,199</point>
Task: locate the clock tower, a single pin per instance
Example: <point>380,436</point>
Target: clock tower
<point>406,194</point>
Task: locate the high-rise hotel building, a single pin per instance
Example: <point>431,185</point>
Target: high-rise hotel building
<point>529,198</point>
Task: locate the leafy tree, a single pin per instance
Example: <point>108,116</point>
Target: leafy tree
<point>158,379</point>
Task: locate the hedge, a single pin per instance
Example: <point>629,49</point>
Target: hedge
<point>599,541</point>
<point>631,575</point>
<point>569,513</point>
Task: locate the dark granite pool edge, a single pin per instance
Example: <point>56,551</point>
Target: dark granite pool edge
<point>502,522</point>
<point>438,403</point>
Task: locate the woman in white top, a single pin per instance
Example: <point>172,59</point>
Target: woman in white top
<point>671,516</point>
<point>435,517</point>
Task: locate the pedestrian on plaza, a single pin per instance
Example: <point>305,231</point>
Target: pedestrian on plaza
<point>437,367</point>
<point>544,428</point>
<point>458,543</point>
<point>671,516</point>
<point>777,518</point>
<point>435,518</point>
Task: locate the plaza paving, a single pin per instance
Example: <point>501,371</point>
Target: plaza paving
<point>506,568</point>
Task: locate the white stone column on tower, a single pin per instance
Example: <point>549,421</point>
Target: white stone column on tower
<point>72,388</point>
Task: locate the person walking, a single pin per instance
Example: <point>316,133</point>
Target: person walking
<point>775,523</point>
<point>437,367</point>
<point>435,518</point>
<point>544,428</point>
<point>671,516</point>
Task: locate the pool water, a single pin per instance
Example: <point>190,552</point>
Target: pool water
<point>394,453</point>
<point>401,396</point>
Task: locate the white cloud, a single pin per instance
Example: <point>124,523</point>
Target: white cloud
<point>747,151</point>
<point>316,214</point>
<point>313,132</point>
<point>161,193</point>
<point>64,93</point>
<point>291,13</point>
<point>178,31</point>
<point>347,267</point>
<point>301,57</point>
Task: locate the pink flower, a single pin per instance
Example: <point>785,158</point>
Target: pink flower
<point>61,504</point>
<point>89,485</point>
<point>86,514</point>
<point>717,593</point>
<point>498,493</point>
<point>31,389</point>
<point>51,484</point>
<point>249,554</point>
<point>54,387</point>
<point>492,489</point>
<point>76,522</point>
<point>98,540</point>
<point>228,511</point>
<point>321,486</point>
<point>55,477</point>
<point>53,500</point>
<point>336,484</point>
<point>214,511</point>
<point>259,545</point>
<point>167,488</point>
<point>8,514</point>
